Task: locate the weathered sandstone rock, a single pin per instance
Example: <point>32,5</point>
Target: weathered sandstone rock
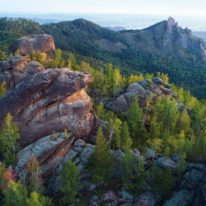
<point>45,101</point>
<point>144,90</point>
<point>42,43</point>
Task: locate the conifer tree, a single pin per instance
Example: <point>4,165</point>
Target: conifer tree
<point>15,194</point>
<point>115,132</point>
<point>134,119</point>
<point>38,200</point>
<point>156,144</point>
<point>70,182</point>
<point>100,111</point>
<point>9,137</point>
<point>33,175</point>
<point>154,131</point>
<point>169,115</point>
<point>166,112</point>
<point>126,141</point>
<point>72,62</point>
<point>161,181</point>
<point>117,81</point>
<point>133,172</point>
<point>197,121</point>
<point>100,163</point>
<point>183,122</point>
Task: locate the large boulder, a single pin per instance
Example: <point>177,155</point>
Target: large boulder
<point>42,43</point>
<point>145,91</point>
<point>166,162</point>
<point>44,101</point>
<point>38,149</point>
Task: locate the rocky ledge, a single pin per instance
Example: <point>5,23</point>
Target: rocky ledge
<point>145,90</point>
<point>44,101</point>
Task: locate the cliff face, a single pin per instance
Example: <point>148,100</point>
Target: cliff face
<point>167,38</point>
<point>45,101</point>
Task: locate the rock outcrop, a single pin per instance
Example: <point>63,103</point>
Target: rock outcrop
<point>171,23</point>
<point>45,101</point>
<point>42,43</point>
<point>54,151</point>
<point>144,90</point>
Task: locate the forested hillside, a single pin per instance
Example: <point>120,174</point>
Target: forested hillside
<point>72,133</point>
<point>164,47</point>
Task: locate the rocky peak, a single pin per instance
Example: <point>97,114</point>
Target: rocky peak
<point>171,22</point>
<point>42,43</point>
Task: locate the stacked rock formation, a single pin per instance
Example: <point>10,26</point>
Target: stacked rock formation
<point>45,101</point>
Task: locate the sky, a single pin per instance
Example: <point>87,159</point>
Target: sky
<point>192,8</point>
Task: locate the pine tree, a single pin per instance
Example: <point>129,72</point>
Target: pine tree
<point>38,200</point>
<point>115,130</point>
<point>100,163</point>
<point>156,144</point>
<point>109,75</point>
<point>135,78</point>
<point>133,173</point>
<point>72,62</point>
<point>134,119</point>
<point>85,67</point>
<point>33,175</point>
<point>9,137</point>
<point>126,141</point>
<point>154,131</point>
<point>99,87</point>
<point>167,113</point>
<point>117,81</point>
<point>182,143</point>
<point>183,122</point>
<point>70,182</point>
<point>164,77</point>
<point>161,181</point>
<point>57,58</point>
<point>15,194</point>
<point>100,111</point>
<point>197,121</point>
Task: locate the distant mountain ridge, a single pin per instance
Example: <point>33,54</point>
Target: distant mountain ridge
<point>163,47</point>
<point>165,37</point>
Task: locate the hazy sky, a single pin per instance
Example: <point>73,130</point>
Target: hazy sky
<point>153,7</point>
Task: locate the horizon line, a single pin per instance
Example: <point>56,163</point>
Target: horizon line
<point>96,13</point>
